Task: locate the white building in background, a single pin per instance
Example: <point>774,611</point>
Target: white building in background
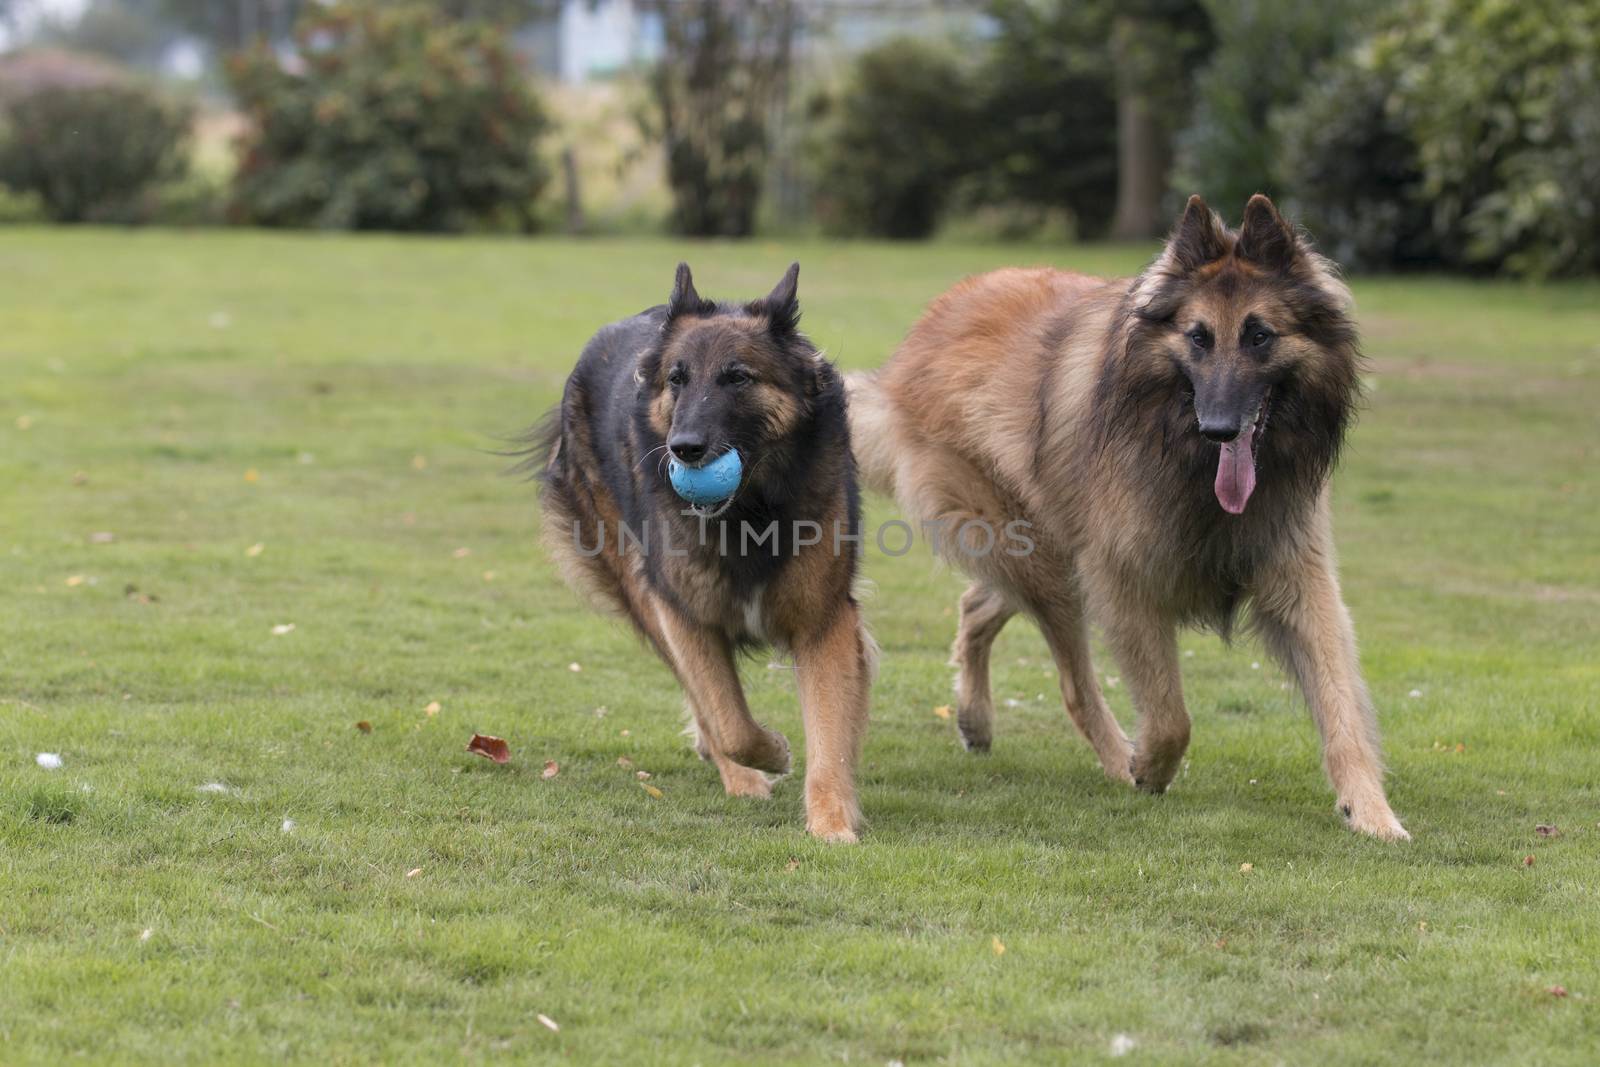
<point>27,14</point>
<point>598,38</point>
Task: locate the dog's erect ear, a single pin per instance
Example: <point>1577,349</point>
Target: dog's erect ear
<point>782,305</point>
<point>1264,237</point>
<point>684,300</point>
<point>1199,238</point>
<point>822,376</point>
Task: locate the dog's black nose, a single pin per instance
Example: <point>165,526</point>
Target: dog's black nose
<point>687,447</point>
<point>1220,432</point>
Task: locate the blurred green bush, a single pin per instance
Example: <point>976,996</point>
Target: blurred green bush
<point>394,117</point>
<point>1264,53</point>
<point>88,143</point>
<point>893,141</point>
<point>1463,134</point>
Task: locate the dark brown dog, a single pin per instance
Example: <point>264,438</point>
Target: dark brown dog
<point>771,565</point>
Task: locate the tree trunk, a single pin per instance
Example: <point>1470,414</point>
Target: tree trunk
<point>1144,139</point>
<point>573,190</point>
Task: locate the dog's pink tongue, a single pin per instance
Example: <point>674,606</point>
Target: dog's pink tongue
<point>1236,473</point>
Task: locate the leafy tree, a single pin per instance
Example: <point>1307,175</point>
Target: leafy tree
<point>897,138</point>
<point>1263,60</point>
<point>92,151</point>
<point>1048,111</point>
<point>400,119</point>
<point>724,69</point>
<point>1083,99</point>
<point>1484,122</point>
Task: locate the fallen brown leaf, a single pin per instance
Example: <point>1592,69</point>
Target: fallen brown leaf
<point>255,550</point>
<point>490,747</point>
<point>419,463</point>
<point>102,537</point>
<point>433,708</point>
<point>80,478</point>
<point>1546,830</point>
<point>364,726</point>
<point>997,946</point>
<point>643,776</point>
<point>943,711</point>
<point>462,553</point>
<point>1527,861</point>
<point>792,865</point>
<point>652,790</point>
<point>551,769</point>
<point>1557,991</point>
<point>252,476</point>
<point>75,579</point>
<point>624,762</point>
<point>1246,868</point>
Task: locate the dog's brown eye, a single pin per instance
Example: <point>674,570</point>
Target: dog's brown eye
<point>1200,337</point>
<point>736,376</point>
<point>677,376</point>
<point>1261,338</point>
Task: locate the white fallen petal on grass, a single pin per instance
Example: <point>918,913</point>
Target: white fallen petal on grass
<point>283,628</point>
<point>50,761</point>
<point>1122,1044</point>
<point>213,787</point>
<point>288,826</point>
<point>1414,694</point>
<point>548,1022</point>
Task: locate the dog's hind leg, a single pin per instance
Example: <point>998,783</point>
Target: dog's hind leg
<point>736,780</point>
<point>703,660</point>
<point>1068,638</point>
<point>984,613</point>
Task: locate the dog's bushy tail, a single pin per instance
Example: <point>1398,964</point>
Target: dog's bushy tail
<point>871,431</point>
<point>536,449</point>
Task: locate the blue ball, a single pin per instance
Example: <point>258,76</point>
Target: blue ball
<point>710,484</point>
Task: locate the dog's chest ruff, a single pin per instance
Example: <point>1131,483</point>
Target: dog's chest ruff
<point>752,613</point>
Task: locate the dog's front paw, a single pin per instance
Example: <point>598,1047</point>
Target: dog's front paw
<point>1155,763</point>
<point>976,729</point>
<point>832,814</point>
<point>835,829</point>
<point>1374,818</point>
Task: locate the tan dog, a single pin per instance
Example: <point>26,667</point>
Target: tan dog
<point>1169,438</point>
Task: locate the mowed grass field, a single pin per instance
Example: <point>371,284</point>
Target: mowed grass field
<point>206,439</point>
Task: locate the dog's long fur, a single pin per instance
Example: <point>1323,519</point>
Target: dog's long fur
<point>1071,402</point>
<point>695,590</point>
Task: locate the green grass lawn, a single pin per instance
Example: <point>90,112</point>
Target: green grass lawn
<point>226,869</point>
